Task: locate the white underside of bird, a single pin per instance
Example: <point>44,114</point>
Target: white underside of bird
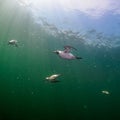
<point>13,42</point>
<point>65,55</point>
<point>53,77</point>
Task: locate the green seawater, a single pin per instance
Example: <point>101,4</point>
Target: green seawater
<point>24,92</point>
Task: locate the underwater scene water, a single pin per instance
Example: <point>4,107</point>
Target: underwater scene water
<point>88,88</point>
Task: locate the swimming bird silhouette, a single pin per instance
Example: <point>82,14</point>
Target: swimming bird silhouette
<point>53,78</point>
<point>13,42</point>
<point>66,54</point>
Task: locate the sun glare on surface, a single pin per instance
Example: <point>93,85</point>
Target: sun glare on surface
<point>90,7</point>
<point>40,3</point>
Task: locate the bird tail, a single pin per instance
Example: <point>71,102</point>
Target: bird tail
<point>78,57</point>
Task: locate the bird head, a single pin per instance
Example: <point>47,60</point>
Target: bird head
<point>56,51</point>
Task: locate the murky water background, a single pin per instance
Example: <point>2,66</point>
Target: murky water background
<point>25,94</point>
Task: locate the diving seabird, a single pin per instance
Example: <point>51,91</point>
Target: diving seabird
<point>66,54</point>
<point>13,42</point>
<point>53,77</point>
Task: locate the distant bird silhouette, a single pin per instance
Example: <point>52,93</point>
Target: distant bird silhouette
<point>53,78</point>
<point>13,42</point>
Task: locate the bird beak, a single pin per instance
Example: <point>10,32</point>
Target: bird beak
<point>55,51</point>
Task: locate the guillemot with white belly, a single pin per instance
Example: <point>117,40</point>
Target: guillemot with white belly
<point>13,42</point>
<point>66,54</point>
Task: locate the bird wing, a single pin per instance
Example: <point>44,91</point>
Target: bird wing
<point>67,49</point>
